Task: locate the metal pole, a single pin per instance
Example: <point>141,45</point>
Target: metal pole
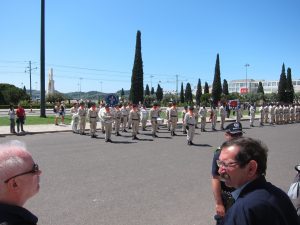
<point>247,65</point>
<point>42,66</point>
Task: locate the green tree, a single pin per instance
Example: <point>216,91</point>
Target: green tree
<point>188,94</point>
<point>181,94</point>
<point>159,93</point>
<point>11,94</point>
<point>152,91</point>
<point>205,99</point>
<point>260,88</point>
<point>225,87</point>
<point>217,87</point>
<point>282,85</point>
<point>198,92</point>
<point>147,90</point>
<point>137,78</point>
<point>122,92</point>
<point>289,87</point>
<point>55,97</point>
<point>206,88</point>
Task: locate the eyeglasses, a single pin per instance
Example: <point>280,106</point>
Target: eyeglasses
<point>34,170</point>
<point>226,165</point>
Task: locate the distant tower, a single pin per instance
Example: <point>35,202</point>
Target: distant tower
<point>50,82</point>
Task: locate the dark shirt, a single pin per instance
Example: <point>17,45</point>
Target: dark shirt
<point>15,215</point>
<point>260,202</point>
<point>215,171</point>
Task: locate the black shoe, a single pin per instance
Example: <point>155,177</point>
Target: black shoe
<point>125,131</point>
<point>118,134</point>
<point>154,135</point>
<point>103,132</point>
<point>144,129</point>
<point>184,132</point>
<point>109,140</point>
<point>189,143</point>
<point>174,134</point>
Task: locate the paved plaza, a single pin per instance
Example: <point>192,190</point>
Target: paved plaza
<point>160,181</point>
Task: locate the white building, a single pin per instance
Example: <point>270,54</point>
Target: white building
<point>250,86</point>
<point>50,89</point>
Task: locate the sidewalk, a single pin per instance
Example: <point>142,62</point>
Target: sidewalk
<point>51,128</point>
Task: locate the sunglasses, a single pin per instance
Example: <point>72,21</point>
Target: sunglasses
<point>34,170</point>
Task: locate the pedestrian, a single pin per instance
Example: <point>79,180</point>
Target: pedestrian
<point>252,115</point>
<point>173,118</point>
<point>213,117</point>
<point>154,114</point>
<point>124,118</point>
<point>75,118</point>
<point>242,165</point>
<point>19,177</point>
<point>12,117</point>
<point>93,118</point>
<point>184,111</point>
<point>168,116</point>
<point>82,117</point>
<point>107,118</point>
<point>117,119</point>
<point>144,117</point>
<point>203,113</point>
<point>190,123</point>
<point>222,113</point>
<point>238,113</point>
<point>222,193</point>
<point>262,115</point>
<point>62,112</point>
<point>56,110</point>
<point>21,116</point>
<point>135,119</point>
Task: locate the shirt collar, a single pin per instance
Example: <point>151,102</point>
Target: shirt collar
<point>236,193</point>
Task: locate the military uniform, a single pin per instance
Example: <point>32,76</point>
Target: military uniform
<point>238,113</point>
<point>277,115</point>
<point>173,118</point>
<point>190,122</point>
<point>75,118</point>
<point>124,118</point>
<point>154,113</point>
<point>266,118</point>
<point>222,113</point>
<point>262,115</point>
<point>297,109</point>
<point>196,110</point>
<point>252,115</point>
<point>168,116</point>
<point>203,113</point>
<point>117,120</point>
<point>134,117</point>
<point>107,118</point>
<point>213,117</point>
<point>272,114</point>
<point>184,111</point>
<point>280,114</point>
<point>82,118</point>
<point>93,118</point>
<point>144,117</point>
<point>292,114</point>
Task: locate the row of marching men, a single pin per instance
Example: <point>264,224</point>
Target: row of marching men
<point>275,114</point>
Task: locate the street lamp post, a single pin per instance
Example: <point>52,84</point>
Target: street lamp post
<point>247,65</point>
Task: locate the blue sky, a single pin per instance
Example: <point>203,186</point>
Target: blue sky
<point>90,44</point>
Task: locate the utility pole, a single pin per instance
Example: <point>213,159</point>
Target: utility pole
<point>247,65</point>
<point>30,69</point>
<point>42,56</point>
<point>176,84</point>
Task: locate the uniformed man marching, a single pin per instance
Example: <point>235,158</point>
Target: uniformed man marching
<point>107,118</point>
<point>202,114</point>
<point>222,113</point>
<point>117,119</point>
<point>134,117</point>
<point>184,111</point>
<point>75,118</point>
<point>82,117</point>
<point>144,117</point>
<point>93,118</point>
<point>190,123</point>
<point>252,115</point>
<point>154,113</point>
<point>124,118</point>
<point>173,118</point>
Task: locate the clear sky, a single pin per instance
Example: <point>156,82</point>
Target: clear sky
<point>90,44</point>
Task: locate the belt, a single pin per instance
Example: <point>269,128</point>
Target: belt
<point>154,117</point>
<point>134,119</point>
<point>191,124</point>
<point>93,116</point>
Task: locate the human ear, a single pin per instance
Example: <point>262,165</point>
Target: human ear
<point>252,168</point>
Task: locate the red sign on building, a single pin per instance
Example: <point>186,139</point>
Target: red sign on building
<point>244,90</point>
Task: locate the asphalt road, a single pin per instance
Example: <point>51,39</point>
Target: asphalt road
<point>148,182</point>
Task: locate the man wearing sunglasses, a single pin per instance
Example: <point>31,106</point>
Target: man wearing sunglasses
<point>19,181</point>
<point>222,193</point>
<point>242,165</point>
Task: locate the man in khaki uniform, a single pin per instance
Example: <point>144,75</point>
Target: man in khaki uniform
<point>107,118</point>
<point>222,113</point>
<point>190,123</point>
<point>93,118</point>
<point>134,117</point>
<point>154,114</point>
<point>82,117</point>
<point>173,118</point>
<point>117,119</point>
<point>203,113</point>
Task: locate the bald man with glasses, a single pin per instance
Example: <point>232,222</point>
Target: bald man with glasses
<point>19,181</point>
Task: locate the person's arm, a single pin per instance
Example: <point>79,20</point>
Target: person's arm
<point>216,188</point>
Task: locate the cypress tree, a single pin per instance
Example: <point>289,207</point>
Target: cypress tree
<point>147,90</point>
<point>225,87</point>
<point>217,87</point>
<point>188,94</point>
<point>198,92</point>
<point>137,88</point>
<point>260,88</point>
<point>152,91</point>
<point>289,87</point>
<point>159,93</point>
<point>282,85</point>
<point>206,88</point>
<point>122,92</point>
<point>181,94</point>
